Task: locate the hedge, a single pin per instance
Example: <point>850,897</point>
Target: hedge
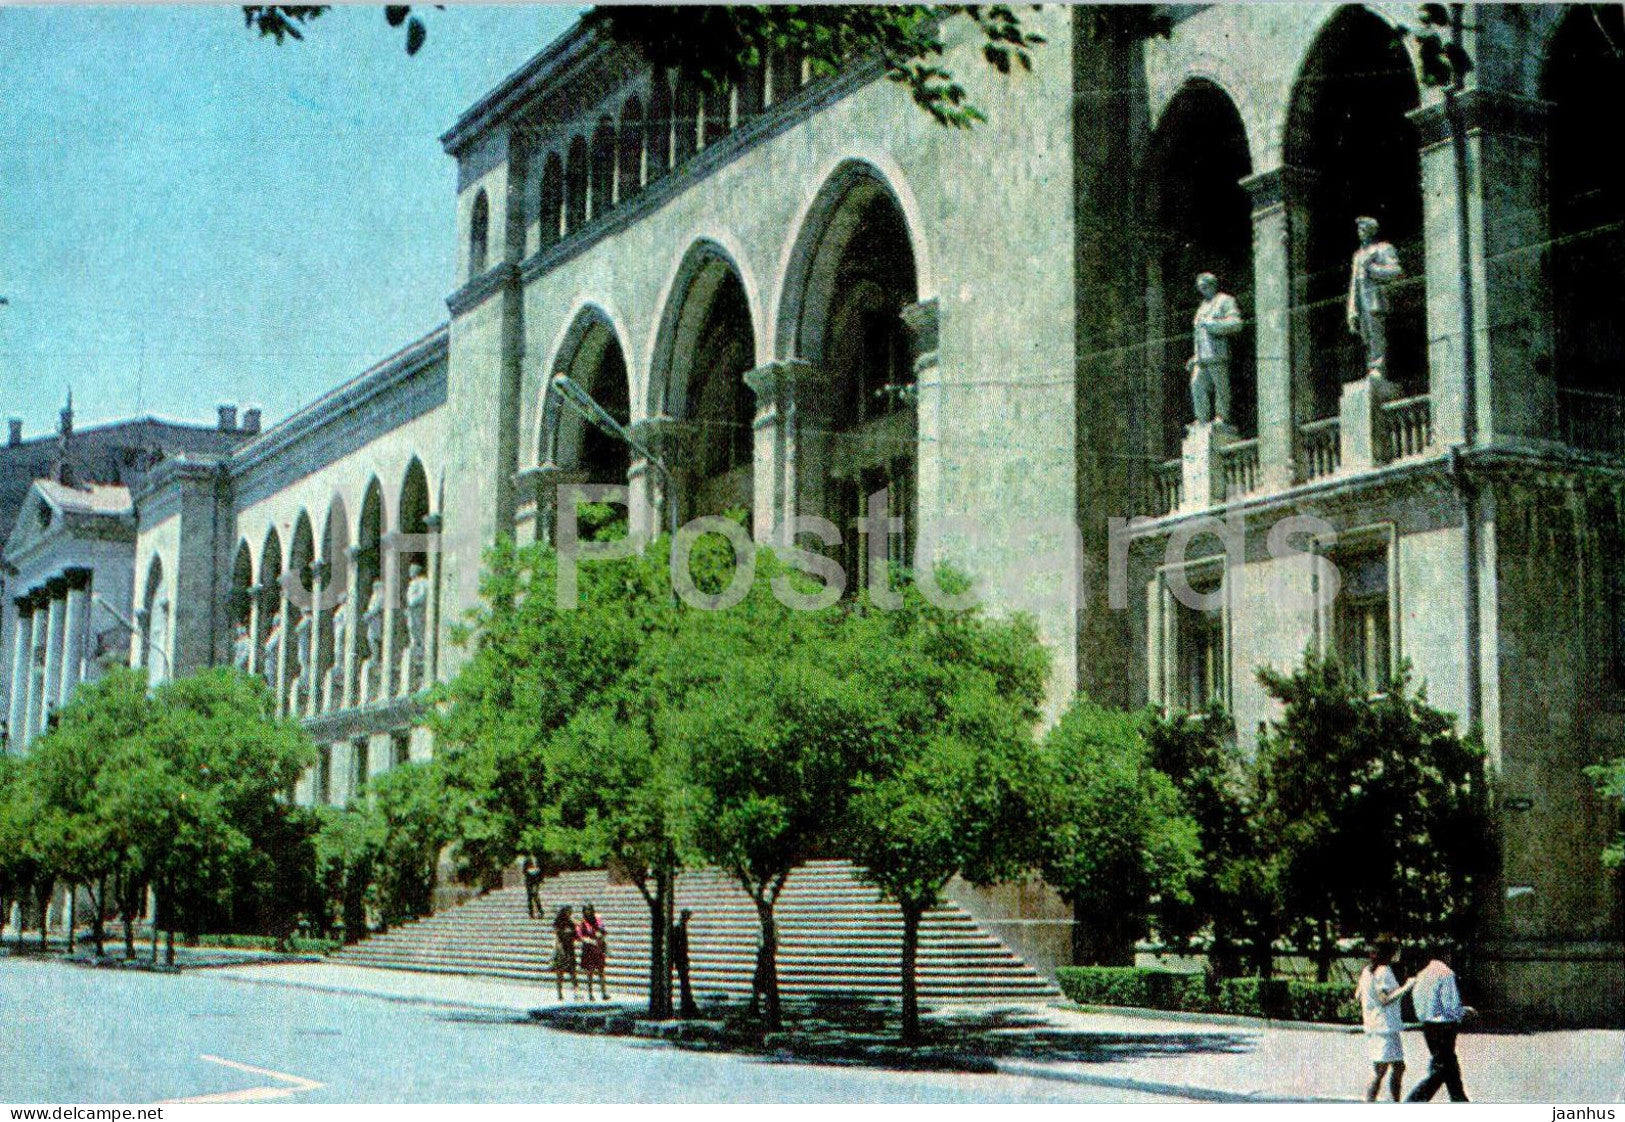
<point>1278,999</point>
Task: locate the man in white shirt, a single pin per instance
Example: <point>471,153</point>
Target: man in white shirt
<point>1439,1008</point>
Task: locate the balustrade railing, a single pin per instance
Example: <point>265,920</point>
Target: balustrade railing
<point>1408,424</point>
<point>1240,468</point>
<point>1322,448</point>
<point>1593,421</point>
<point>1166,490</point>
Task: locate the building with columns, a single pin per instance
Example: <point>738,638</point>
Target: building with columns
<point>802,291</point>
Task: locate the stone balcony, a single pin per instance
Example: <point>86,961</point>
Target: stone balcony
<point>1374,427</point>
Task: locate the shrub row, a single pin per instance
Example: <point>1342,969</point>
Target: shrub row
<point>297,944</point>
<point>1280,999</point>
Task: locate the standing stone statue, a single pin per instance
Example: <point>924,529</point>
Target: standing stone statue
<point>335,673</point>
<point>1217,318</point>
<point>373,618</point>
<point>270,651</point>
<point>1376,266</point>
<point>417,608</point>
<point>301,651</point>
<point>242,646</point>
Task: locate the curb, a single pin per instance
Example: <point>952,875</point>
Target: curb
<point>1030,1070</point>
<point>352,991</point>
<point>1184,1017</point>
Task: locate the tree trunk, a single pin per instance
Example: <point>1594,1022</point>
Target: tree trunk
<point>659,969</point>
<point>911,985</point>
<point>159,907</point>
<point>43,894</point>
<point>169,946</point>
<point>767,966</point>
<point>1325,949</point>
<point>98,929</point>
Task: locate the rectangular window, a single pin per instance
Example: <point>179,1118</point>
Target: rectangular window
<point>400,749</point>
<point>1201,658</point>
<point>1362,619</point>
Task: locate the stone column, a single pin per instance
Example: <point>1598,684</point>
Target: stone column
<point>77,624</point>
<point>320,571</point>
<point>651,488</point>
<point>1280,340</point>
<point>36,667</point>
<point>779,445</point>
<point>431,612</point>
<point>923,321</point>
<point>21,635</point>
<point>56,614</point>
<point>353,624</point>
<point>1503,147</point>
<point>389,567</point>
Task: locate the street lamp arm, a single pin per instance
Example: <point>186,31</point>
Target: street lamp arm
<point>120,617</point>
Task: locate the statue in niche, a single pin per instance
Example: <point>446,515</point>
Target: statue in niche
<point>301,651</point>
<point>417,608</point>
<point>335,673</point>
<point>372,619</point>
<point>242,647</point>
<point>1376,266</point>
<point>1217,318</point>
<point>270,651</point>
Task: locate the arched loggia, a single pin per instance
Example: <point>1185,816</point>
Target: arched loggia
<point>852,274</point>
<point>1203,224</point>
<point>1351,141</point>
<point>707,343</point>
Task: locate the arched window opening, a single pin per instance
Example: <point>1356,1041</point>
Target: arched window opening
<point>1203,225</point>
<point>708,344</point>
<point>784,75</point>
<point>593,360</point>
<point>603,168</point>
<point>479,235</point>
<point>855,274</point>
<point>1350,136</point>
<point>240,607</point>
<point>576,176</point>
<point>369,594</point>
<point>1586,196</point>
<point>550,203</point>
<point>297,587</point>
<point>270,636</point>
<point>412,579</point>
<point>333,608</point>
<point>631,173</point>
<point>716,102</point>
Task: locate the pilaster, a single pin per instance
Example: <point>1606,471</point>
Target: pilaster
<point>1279,204</point>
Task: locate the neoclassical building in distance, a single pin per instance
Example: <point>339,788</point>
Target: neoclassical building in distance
<point>804,291</point>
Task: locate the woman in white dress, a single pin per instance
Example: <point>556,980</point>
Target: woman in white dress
<point>1379,993</point>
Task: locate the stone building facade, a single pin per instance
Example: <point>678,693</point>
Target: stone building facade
<point>803,292</point>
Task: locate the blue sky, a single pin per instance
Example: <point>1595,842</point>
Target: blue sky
<point>190,214</point>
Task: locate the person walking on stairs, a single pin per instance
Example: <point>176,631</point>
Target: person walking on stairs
<point>594,940</point>
<point>564,951</point>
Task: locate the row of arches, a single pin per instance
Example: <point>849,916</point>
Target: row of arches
<point>606,165</point>
<point>1350,148</point>
<point>853,276</point>
<point>342,613</point>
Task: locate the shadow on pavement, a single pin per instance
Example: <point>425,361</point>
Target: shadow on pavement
<point>865,1032</point>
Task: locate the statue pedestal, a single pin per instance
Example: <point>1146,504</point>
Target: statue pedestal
<point>1202,464</point>
<point>1360,430</point>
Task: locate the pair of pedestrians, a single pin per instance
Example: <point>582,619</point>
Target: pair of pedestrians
<point>593,938</point>
<point>1438,1004</point>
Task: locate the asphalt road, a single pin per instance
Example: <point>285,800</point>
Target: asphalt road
<point>75,1035</point>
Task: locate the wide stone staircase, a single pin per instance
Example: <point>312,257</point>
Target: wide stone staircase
<point>836,937</point>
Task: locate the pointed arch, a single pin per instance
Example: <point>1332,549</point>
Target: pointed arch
<point>603,167</point>
<point>577,178</point>
<point>630,174</point>
<point>1203,223</point>
<point>242,584</point>
<point>1349,136</point>
<point>592,355</point>
<point>550,202</point>
<point>706,344</point>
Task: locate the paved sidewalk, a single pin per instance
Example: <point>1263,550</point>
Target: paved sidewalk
<point>1208,1061</point>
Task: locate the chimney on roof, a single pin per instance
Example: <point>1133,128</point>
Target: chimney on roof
<point>251,421</point>
<point>64,451</point>
<point>15,436</point>
<point>228,418</point>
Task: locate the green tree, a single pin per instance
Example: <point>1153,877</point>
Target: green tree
<point>953,702</point>
<point>1232,893</point>
<point>773,746</point>
<point>1610,779</point>
<point>1118,844</point>
<point>410,823</point>
<point>1376,808</point>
